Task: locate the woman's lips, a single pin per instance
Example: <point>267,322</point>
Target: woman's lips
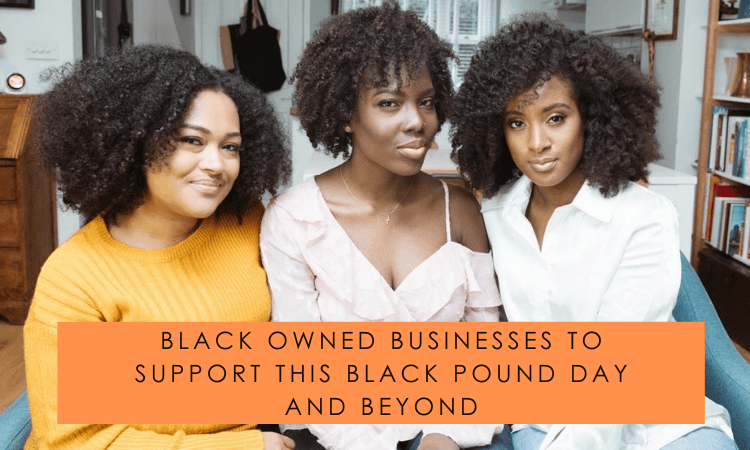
<point>543,165</point>
<point>414,150</point>
<point>206,186</point>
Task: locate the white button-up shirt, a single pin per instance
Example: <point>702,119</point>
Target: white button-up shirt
<point>601,259</point>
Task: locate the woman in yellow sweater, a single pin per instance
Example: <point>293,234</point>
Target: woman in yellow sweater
<point>166,159</point>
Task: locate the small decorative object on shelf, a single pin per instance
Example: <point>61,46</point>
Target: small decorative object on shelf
<point>728,9</point>
<point>741,76</point>
<point>731,66</point>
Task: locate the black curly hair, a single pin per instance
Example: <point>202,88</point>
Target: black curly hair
<point>368,47</point>
<point>107,120</point>
<point>617,103</point>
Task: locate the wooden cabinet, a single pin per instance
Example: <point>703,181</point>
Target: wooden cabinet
<point>27,209</point>
<point>614,16</point>
<point>727,282</point>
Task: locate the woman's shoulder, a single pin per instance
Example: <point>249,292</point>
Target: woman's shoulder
<point>298,206</point>
<point>462,200</point>
<point>512,192</point>
<point>302,201</point>
<point>638,201</point>
<point>467,224</point>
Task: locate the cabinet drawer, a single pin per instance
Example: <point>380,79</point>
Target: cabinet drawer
<point>10,226</point>
<point>11,274</point>
<point>7,183</point>
<point>728,285</point>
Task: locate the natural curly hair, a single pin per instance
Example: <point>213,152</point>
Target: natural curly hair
<point>106,121</point>
<point>617,103</point>
<point>366,47</point>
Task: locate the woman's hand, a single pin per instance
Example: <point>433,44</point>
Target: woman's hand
<point>437,441</point>
<point>276,441</point>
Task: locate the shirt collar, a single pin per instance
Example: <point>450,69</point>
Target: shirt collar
<point>516,196</point>
<point>592,202</point>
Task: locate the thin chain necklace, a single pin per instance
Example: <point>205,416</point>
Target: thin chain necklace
<point>387,216</point>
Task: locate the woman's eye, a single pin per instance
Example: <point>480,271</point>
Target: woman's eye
<point>190,140</point>
<point>387,103</point>
<point>234,148</point>
<point>557,118</point>
<point>514,124</point>
<point>428,103</point>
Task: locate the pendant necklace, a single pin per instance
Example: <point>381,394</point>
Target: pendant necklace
<point>387,216</point>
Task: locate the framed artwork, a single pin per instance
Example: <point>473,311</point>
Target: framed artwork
<point>28,4</point>
<point>661,18</point>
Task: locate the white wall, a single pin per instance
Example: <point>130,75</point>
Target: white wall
<point>679,70</point>
<point>161,22</point>
<point>509,8</point>
<point>50,21</point>
<point>55,21</point>
<point>297,20</point>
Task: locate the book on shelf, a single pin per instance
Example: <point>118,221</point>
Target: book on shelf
<point>745,252</point>
<point>719,229</point>
<point>717,141</point>
<point>729,142</point>
<point>735,228</point>
<point>738,165</point>
<point>719,189</point>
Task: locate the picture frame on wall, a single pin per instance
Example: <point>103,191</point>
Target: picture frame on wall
<point>28,4</point>
<point>661,18</point>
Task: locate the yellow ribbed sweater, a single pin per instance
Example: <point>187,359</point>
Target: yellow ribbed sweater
<point>214,275</point>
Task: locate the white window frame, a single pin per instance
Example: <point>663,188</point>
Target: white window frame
<point>487,21</point>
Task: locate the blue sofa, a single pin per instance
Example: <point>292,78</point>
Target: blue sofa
<point>727,373</point>
<point>15,424</point>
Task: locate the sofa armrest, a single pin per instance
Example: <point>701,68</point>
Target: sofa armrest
<point>15,424</point>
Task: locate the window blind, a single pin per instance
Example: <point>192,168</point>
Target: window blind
<point>463,23</point>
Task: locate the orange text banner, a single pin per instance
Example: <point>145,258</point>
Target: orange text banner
<point>381,372</point>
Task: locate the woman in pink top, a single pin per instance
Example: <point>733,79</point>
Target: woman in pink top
<point>376,239</point>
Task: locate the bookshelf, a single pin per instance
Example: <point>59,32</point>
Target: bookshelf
<point>725,274</point>
<point>718,165</point>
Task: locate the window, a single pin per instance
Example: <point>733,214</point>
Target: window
<point>463,23</point>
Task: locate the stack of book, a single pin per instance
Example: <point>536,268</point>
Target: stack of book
<point>727,221</point>
<point>730,142</point>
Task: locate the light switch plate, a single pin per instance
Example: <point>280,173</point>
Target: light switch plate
<point>42,50</point>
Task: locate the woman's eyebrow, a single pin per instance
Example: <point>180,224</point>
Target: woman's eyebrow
<point>556,105</point>
<point>206,130</point>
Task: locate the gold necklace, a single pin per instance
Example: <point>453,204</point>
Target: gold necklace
<point>387,216</point>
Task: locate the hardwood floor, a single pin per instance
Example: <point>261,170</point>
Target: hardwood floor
<point>12,368</point>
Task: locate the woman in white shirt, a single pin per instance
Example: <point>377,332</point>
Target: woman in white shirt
<point>555,127</point>
<point>376,239</point>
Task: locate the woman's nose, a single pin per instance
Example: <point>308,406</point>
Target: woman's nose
<point>538,139</point>
<point>211,160</point>
<point>413,119</point>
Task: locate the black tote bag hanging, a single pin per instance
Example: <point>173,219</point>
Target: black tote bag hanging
<point>257,50</point>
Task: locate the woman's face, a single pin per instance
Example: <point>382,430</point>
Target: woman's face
<point>200,172</point>
<point>393,127</point>
<point>544,132</point>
